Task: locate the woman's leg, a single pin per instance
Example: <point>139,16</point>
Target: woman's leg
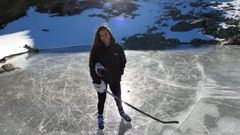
<point>116,90</point>
<point>101,102</point>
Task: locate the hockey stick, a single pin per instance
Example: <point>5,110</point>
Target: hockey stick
<point>161,121</point>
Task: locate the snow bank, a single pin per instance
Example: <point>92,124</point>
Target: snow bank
<point>78,30</point>
<point>13,43</point>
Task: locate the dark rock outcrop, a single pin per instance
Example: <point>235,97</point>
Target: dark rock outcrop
<point>176,14</point>
<point>31,49</point>
<point>3,60</point>
<point>173,12</point>
<point>203,4</point>
<point>216,16</point>
<point>182,27</point>
<point>150,39</point>
<point>117,8</point>
<point>232,41</point>
<point>66,7</point>
<point>198,41</point>
<point>11,10</point>
<point>228,32</point>
<point>210,27</point>
<point>8,67</point>
<point>200,23</point>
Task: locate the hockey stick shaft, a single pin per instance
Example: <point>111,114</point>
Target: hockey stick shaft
<point>146,114</point>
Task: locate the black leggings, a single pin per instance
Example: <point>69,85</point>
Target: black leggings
<point>116,90</point>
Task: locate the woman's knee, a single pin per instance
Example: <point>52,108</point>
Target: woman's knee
<point>116,89</point>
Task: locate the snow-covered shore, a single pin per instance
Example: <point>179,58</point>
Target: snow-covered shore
<point>14,43</point>
<point>142,21</point>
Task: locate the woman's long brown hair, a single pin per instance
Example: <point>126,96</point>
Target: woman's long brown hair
<point>98,44</point>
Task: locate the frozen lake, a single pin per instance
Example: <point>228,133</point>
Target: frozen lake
<point>52,93</point>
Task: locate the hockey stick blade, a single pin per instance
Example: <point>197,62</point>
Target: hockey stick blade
<point>146,114</point>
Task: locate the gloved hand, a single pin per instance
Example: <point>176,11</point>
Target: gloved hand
<point>100,87</point>
<point>99,69</point>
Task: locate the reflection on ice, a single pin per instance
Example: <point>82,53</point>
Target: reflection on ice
<point>54,95</point>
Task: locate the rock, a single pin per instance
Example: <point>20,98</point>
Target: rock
<point>233,41</point>
<point>228,32</point>
<point>8,67</point>
<point>210,27</point>
<point>173,12</point>
<point>66,7</point>
<point>196,4</point>
<point>200,23</point>
<point>152,29</point>
<point>131,40</point>
<point>120,7</point>
<point>150,39</point>
<point>164,25</point>
<point>227,8</point>
<point>100,16</point>
<point>11,10</point>
<point>3,60</point>
<point>1,71</point>
<point>176,14</point>
<point>201,3</point>
<point>215,16</point>
<point>215,4</point>
<point>154,39</point>
<point>173,41</point>
<point>30,49</point>
<point>198,41</point>
<point>182,27</point>
<point>125,6</point>
<point>45,30</point>
<point>186,17</point>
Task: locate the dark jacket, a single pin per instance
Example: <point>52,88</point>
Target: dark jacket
<point>113,59</point>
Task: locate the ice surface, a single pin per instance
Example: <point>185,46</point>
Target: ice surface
<point>52,92</point>
<point>197,86</point>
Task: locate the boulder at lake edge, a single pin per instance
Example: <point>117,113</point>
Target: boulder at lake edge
<point>8,67</point>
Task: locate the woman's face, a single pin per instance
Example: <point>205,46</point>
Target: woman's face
<point>105,37</point>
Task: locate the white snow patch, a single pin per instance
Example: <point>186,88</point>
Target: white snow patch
<point>231,9</point>
<point>79,30</point>
<point>13,43</point>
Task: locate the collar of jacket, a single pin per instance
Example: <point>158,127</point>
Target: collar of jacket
<point>107,47</point>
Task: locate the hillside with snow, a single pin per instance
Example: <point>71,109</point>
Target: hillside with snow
<point>55,24</point>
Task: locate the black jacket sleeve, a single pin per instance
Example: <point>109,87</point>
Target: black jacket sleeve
<point>92,62</point>
<point>123,60</point>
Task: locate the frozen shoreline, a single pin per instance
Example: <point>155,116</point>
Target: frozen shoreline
<point>149,18</point>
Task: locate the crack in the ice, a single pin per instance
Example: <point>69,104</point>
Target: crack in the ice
<point>202,86</point>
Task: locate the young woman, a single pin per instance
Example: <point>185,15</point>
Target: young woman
<point>107,62</point>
